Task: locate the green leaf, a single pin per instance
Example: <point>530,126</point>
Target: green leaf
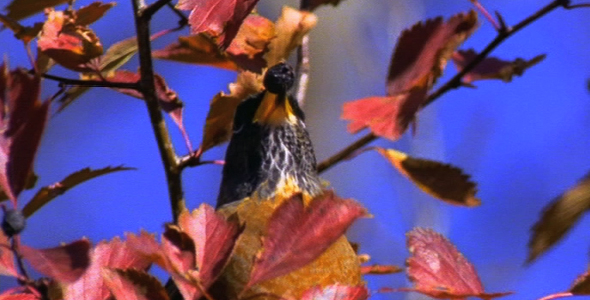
<point>48,193</point>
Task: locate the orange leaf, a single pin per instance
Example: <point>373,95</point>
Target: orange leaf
<point>70,45</point>
<point>439,270</point>
<point>218,127</point>
<point>290,28</point>
<point>20,9</point>
<point>439,180</point>
<point>336,292</point>
<point>91,13</point>
<point>297,235</point>
<point>64,263</point>
<point>132,284</point>
<point>196,49</point>
<point>380,269</point>
<point>491,67</point>
<point>220,19</point>
<point>420,56</point>
<point>251,43</point>
<point>558,217</point>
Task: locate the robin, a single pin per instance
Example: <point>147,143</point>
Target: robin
<point>270,158</point>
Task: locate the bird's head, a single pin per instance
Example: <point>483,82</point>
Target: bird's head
<point>276,108</point>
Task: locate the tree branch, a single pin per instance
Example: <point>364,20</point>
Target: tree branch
<point>453,83</point>
<point>153,8</point>
<point>302,68</point>
<point>148,90</point>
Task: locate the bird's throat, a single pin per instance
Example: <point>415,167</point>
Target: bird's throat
<point>274,110</point>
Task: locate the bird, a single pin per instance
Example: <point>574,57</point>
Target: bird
<point>270,157</point>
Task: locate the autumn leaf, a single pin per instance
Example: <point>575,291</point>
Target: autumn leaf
<point>48,193</point>
<point>220,19</point>
<point>196,49</point>
<point>251,43</point>
<point>420,57</point>
<point>20,9</point>
<point>114,254</point>
<point>24,121</point>
<point>168,99</point>
<point>380,269</point>
<point>297,235</point>
<point>7,266</point>
<point>132,284</point>
<point>439,270</point>
<point>491,67</point>
<point>12,295</point>
<point>218,126</point>
<point>558,217</point>
<point>65,263</point>
<point>290,29</point>
<point>313,4</point>
<point>443,181</point>
<point>91,13</point>
<point>214,239</point>
<point>336,292</point>
<point>581,285</point>
<point>70,45</point>
<point>115,57</point>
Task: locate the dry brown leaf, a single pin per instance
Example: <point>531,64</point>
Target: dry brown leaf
<point>439,180</point>
<point>291,27</point>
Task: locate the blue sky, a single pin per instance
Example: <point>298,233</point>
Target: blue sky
<point>524,143</point>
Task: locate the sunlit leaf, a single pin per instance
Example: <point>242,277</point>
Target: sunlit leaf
<point>439,270</point>
<point>491,67</point>
<point>380,269</point>
<point>290,29</point>
<point>65,263</point>
<point>251,43</point>
<point>220,19</point>
<point>19,9</point>
<point>420,57</point>
<point>7,265</point>
<point>132,284</point>
<point>48,193</point>
<point>218,126</point>
<point>70,45</point>
<point>443,181</point>
<point>337,292</point>
<point>297,235</point>
<point>558,217</point>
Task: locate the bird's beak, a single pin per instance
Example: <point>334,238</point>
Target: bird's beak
<point>275,110</point>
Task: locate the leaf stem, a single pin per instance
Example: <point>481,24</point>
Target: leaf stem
<point>14,244</point>
<point>453,83</point>
<point>148,89</point>
<point>92,83</point>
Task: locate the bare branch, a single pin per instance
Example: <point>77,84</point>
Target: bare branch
<point>153,8</point>
<point>302,68</point>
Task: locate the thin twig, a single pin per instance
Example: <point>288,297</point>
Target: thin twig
<point>486,14</point>
<point>453,83</point>
<point>15,244</point>
<point>183,19</point>
<point>148,89</point>
<point>153,8</point>
<point>93,83</point>
<point>557,295</point>
<point>302,68</point>
<point>194,159</point>
<point>577,5</point>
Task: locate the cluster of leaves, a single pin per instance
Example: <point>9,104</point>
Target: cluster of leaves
<point>195,250</point>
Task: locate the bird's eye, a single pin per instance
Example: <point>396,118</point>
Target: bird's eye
<point>279,78</point>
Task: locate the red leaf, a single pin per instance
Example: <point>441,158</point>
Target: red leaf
<point>439,270</point>
<point>214,239</point>
<point>24,123</point>
<point>196,49</point>
<point>251,43</point>
<point>168,99</point>
<point>491,67</point>
<point>297,235</point>
<point>64,263</point>
<point>9,295</point>
<point>114,254</point>
<point>7,266</point>
<point>70,45</point>
<point>336,292</point>
<point>220,19</point>
<point>419,59</point>
<point>133,284</point>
